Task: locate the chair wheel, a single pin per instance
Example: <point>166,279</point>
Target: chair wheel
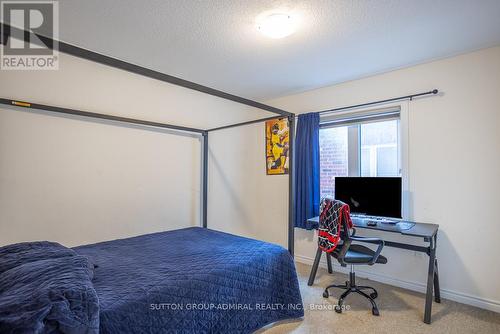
<point>325,294</point>
<point>338,308</point>
<point>375,312</point>
<point>374,295</point>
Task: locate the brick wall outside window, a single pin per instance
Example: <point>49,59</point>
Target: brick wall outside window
<point>333,158</point>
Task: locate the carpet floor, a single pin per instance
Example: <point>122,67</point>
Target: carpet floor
<point>401,311</point>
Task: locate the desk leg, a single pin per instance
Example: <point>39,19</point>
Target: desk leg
<point>430,282</point>
<point>329,263</point>
<point>314,268</point>
<point>437,292</point>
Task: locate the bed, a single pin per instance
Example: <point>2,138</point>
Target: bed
<point>192,280</point>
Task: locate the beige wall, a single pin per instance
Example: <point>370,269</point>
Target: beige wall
<point>242,198</point>
<point>454,164</point>
<point>77,180</point>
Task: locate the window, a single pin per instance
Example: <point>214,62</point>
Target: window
<point>359,146</point>
<point>379,148</point>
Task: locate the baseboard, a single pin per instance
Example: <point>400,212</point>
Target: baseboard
<point>487,304</point>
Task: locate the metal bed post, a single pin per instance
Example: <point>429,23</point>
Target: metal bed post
<point>205,181</point>
<point>83,113</point>
<point>291,185</point>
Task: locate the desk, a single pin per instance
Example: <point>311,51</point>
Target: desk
<point>426,231</point>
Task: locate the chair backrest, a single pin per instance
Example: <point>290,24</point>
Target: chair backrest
<point>346,229</point>
<point>334,224</point>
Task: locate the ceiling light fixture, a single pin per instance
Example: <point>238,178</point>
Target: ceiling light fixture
<point>277,25</point>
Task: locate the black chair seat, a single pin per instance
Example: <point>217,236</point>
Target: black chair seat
<point>359,254</point>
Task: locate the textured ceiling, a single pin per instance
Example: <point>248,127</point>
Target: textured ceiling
<point>216,43</point>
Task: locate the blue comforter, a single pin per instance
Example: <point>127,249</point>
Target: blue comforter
<point>192,280</point>
<point>53,295</point>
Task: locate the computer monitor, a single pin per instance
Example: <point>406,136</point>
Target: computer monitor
<point>373,196</point>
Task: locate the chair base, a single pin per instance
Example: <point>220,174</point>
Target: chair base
<point>350,287</point>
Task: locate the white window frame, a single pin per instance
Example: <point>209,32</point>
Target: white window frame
<point>353,134</point>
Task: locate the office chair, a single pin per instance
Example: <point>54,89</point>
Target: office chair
<point>354,254</point>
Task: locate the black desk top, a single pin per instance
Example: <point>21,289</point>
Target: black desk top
<point>418,230</point>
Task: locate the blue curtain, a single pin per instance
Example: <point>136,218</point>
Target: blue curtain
<point>306,170</point>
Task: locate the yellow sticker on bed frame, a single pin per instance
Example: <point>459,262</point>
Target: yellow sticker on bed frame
<point>21,104</point>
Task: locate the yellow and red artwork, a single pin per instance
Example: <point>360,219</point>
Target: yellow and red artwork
<point>277,143</point>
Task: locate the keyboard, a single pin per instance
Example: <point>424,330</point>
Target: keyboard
<point>382,224</point>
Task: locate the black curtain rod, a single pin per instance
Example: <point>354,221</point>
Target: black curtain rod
<point>126,66</point>
<point>76,112</point>
<point>410,97</point>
